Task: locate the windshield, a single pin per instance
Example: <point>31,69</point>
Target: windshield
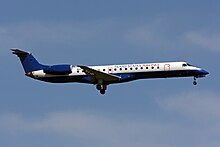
<point>189,64</point>
<point>186,64</point>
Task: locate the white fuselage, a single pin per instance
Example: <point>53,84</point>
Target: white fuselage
<point>133,69</point>
<point>101,76</point>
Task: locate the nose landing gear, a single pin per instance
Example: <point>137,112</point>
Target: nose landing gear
<point>194,82</point>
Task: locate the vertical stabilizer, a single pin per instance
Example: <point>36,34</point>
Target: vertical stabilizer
<point>28,62</point>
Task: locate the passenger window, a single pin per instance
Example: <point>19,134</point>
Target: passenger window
<point>136,68</point>
<point>158,67</point>
<point>125,68</point>
<point>103,69</point>
<point>146,67</point>
<point>115,69</point>
<point>131,68</point>
<point>152,67</point>
<point>141,67</point>
<point>120,68</point>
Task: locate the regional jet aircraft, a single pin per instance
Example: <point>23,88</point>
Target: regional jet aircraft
<point>102,76</point>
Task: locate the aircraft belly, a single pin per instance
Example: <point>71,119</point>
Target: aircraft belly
<point>126,77</point>
<point>67,79</point>
<point>165,74</point>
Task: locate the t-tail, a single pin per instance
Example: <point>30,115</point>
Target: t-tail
<point>28,62</point>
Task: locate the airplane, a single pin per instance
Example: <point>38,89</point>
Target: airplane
<point>102,76</point>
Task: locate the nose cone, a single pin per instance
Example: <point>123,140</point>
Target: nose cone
<point>203,72</point>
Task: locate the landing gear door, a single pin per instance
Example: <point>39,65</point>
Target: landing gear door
<point>166,67</point>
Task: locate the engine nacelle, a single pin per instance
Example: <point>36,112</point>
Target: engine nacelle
<point>64,69</point>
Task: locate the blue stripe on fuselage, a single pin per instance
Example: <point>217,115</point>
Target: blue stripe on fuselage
<point>125,77</point>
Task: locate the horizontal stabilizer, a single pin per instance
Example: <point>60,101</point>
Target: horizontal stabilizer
<point>19,52</point>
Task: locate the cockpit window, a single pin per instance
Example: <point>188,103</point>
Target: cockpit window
<point>184,65</point>
<point>189,64</point>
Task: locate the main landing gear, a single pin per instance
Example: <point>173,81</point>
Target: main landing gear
<point>101,88</point>
<point>194,82</point>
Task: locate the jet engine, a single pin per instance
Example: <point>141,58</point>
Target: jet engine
<point>64,69</point>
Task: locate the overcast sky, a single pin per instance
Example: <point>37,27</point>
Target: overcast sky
<point>156,112</point>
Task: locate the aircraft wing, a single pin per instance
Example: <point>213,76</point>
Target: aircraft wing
<point>98,75</point>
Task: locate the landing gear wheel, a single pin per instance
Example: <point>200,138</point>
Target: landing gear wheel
<point>194,83</point>
<point>98,87</point>
<point>102,91</point>
<point>101,86</point>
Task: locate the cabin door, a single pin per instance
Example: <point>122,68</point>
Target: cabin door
<point>167,67</point>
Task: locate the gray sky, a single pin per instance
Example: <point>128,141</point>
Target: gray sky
<point>158,112</point>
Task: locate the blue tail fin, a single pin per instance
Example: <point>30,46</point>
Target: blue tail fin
<point>28,62</point>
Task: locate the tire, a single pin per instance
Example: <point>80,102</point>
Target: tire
<point>194,83</point>
<point>98,87</point>
<point>102,91</point>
